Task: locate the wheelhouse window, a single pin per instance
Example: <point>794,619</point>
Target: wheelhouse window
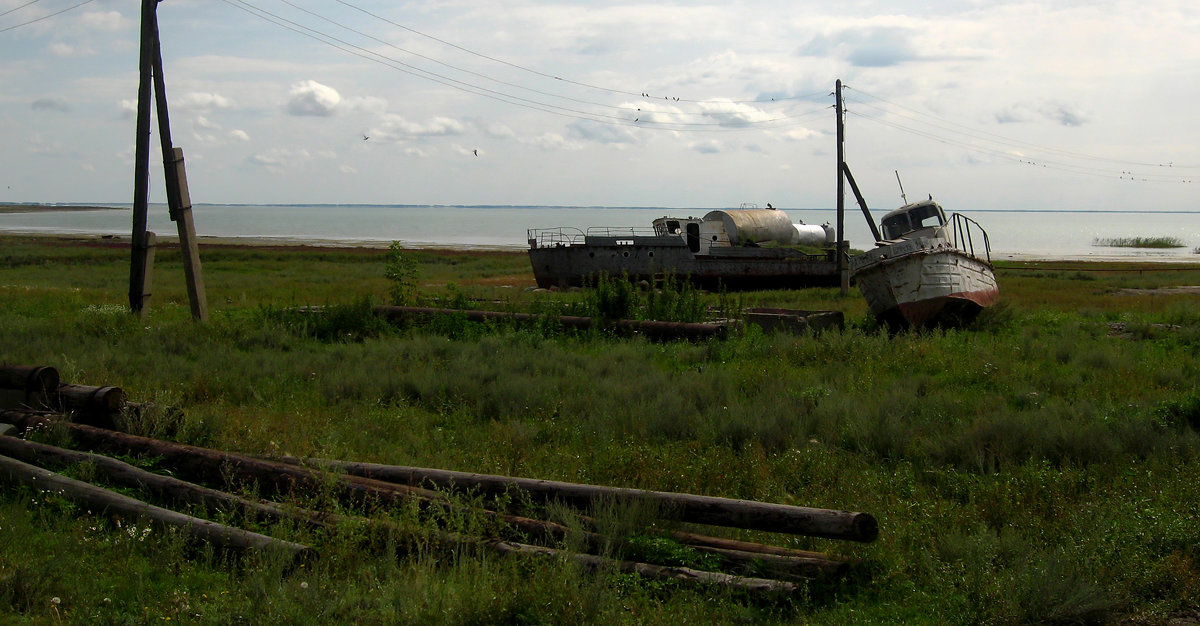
<point>916,218</point>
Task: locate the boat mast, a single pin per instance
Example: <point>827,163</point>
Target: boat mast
<point>842,266</point>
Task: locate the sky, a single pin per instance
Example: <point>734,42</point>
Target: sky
<point>983,105</point>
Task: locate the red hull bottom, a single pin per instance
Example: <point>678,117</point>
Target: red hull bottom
<point>955,309</point>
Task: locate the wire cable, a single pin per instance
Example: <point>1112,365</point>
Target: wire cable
<point>401,66</point>
<point>44,17</point>
<point>19,8</point>
<point>535,72</point>
<point>982,134</point>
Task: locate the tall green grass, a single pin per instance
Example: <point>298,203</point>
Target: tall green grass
<point>1035,468</point>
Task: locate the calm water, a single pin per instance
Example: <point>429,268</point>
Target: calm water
<point>1048,234</point>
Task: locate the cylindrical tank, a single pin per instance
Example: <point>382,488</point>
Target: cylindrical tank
<point>813,235</point>
<point>755,226</point>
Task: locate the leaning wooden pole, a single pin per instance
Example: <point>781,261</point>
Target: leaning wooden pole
<point>98,499</point>
<point>812,522</point>
<point>139,249</point>
<point>179,201</point>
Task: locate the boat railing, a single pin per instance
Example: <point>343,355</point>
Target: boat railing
<point>621,231</point>
<point>554,237</point>
<point>968,232</point>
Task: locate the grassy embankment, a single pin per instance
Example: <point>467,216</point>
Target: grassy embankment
<point>1039,467</point>
<point>1138,242</point>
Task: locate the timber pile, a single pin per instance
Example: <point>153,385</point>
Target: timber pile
<point>370,488</point>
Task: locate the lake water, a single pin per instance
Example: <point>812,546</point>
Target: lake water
<point>1013,234</point>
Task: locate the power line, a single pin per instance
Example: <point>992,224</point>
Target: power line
<point>629,117</point>
<point>559,78</point>
<point>19,8</point>
<point>1043,163</point>
<point>983,134</point>
<point>644,108</point>
<point>44,17</point>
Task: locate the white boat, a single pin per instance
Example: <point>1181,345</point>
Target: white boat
<point>926,270</point>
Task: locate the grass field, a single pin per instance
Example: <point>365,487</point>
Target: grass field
<point>1038,467</point>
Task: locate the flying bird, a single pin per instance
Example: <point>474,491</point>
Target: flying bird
<point>365,137</point>
<point>475,152</point>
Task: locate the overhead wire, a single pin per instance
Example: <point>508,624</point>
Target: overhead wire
<point>644,108</point>
<point>536,72</point>
<point>624,119</point>
<point>44,17</point>
<point>18,8</point>
<point>1032,161</point>
<point>985,135</point>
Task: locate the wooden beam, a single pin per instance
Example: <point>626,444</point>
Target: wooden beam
<point>813,522</point>
<point>98,499</point>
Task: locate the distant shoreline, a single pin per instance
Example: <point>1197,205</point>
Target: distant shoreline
<point>288,243</point>
<point>47,208</point>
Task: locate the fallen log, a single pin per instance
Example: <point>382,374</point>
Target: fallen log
<point>651,329</point>
<point>661,572</point>
<point>703,541</point>
<point>94,406</point>
<point>270,477</point>
<point>165,488</point>
<point>174,489</point>
<point>813,522</point>
<point>28,386</point>
<point>95,498</point>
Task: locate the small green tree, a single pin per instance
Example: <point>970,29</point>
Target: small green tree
<point>401,269</point>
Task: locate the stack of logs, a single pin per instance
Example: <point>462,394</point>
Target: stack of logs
<point>41,404</point>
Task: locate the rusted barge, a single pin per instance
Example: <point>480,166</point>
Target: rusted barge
<point>735,249</point>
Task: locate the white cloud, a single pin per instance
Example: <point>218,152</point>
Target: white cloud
<point>800,134</point>
<point>107,21</point>
<point>198,101</point>
<point>710,146</point>
<point>1059,113</point>
<point>239,135</point>
<point>127,109</point>
<point>397,128</point>
<point>310,98</point>
<point>280,160</point>
<point>364,104</point>
<point>60,49</point>
<point>554,141</point>
<point>50,104</point>
<point>601,133</point>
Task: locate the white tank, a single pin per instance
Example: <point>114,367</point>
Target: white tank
<point>813,235</point>
<point>755,226</point>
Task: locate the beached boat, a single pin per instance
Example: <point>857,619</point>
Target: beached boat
<point>746,248</point>
<point>926,270</point>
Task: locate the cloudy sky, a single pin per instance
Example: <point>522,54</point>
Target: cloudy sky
<point>985,105</point>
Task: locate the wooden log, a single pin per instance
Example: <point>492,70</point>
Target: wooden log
<point>652,329</point>
<point>91,400</point>
<point>28,386</point>
<point>95,498</point>
<point>778,566</point>
<point>172,489</point>
<point>703,541</point>
<point>813,522</point>
<point>165,488</point>
<point>270,477</point>
<point>678,574</point>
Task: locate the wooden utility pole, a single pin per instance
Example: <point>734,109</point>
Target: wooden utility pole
<point>842,245</point>
<point>178,199</point>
